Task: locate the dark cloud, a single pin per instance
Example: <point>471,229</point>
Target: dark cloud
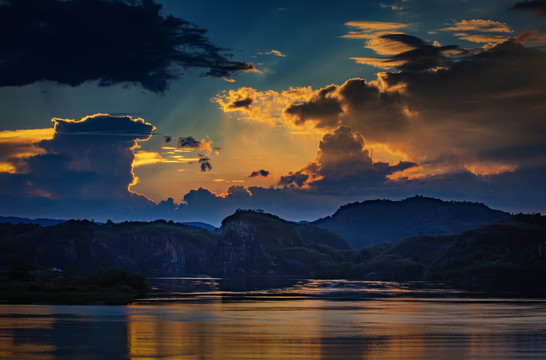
<point>188,142</point>
<point>261,172</point>
<point>455,117</point>
<point>205,164</point>
<point>343,165</point>
<point>90,158</point>
<point>167,139</point>
<point>245,103</point>
<point>297,179</point>
<point>423,57</point>
<point>408,40</point>
<point>87,165</point>
<point>109,41</point>
<point>323,109</point>
<point>539,6</point>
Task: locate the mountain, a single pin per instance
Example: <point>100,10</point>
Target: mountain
<point>250,243</point>
<point>509,254</point>
<point>156,248</point>
<point>255,243</point>
<point>39,221</point>
<point>373,222</point>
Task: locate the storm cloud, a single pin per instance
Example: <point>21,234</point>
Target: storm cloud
<point>86,160</point>
<point>108,41</point>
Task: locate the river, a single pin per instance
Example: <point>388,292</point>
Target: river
<point>308,319</point>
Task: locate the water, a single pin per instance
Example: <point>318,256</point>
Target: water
<point>211,319</point>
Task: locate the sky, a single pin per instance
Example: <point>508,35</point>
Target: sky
<point>187,111</point>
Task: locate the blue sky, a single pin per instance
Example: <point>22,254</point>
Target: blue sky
<point>334,102</point>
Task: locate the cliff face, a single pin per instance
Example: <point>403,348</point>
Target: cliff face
<point>255,243</point>
<point>250,243</point>
<point>157,248</point>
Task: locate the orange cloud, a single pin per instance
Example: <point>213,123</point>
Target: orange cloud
<point>482,31</point>
<point>147,158</point>
<point>489,168</point>
<point>276,53</point>
<point>385,46</point>
<point>18,145</point>
<point>482,38</point>
<point>385,64</point>
<point>371,29</point>
<point>479,25</point>
<point>262,106</point>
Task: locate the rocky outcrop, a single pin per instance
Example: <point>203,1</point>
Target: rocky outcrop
<point>255,243</point>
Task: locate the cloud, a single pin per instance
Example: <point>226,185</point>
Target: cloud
<point>392,44</point>
<point>539,6</point>
<point>204,162</point>
<point>85,160</point>
<point>321,108</point>
<point>261,172</point>
<point>276,53</point>
<point>482,38</point>
<point>343,165</point>
<point>481,31</point>
<point>479,25</point>
<point>371,29</point>
<point>108,41</point>
<point>262,106</point>
<point>244,103</point>
<point>416,55</point>
<point>188,142</point>
<point>16,146</point>
<point>396,6</point>
<point>447,114</point>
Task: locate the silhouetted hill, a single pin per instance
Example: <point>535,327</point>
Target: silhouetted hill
<point>372,222</point>
<point>39,221</point>
<point>505,255</point>
<point>160,247</point>
<point>254,243</point>
<point>257,243</point>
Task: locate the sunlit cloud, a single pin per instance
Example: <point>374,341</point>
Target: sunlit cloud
<point>147,158</point>
<point>18,145</point>
<point>385,64</point>
<point>386,46</point>
<point>480,31</point>
<point>262,106</point>
<point>479,25</point>
<point>482,38</point>
<point>276,53</point>
<point>371,29</point>
<point>489,168</point>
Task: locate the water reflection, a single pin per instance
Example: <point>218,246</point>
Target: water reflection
<point>301,325</point>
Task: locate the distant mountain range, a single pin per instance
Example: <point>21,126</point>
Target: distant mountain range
<point>446,241</point>
<point>50,222</point>
<point>373,222</point>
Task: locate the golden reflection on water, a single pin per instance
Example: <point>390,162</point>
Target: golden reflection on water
<point>318,329</point>
<point>15,347</point>
<point>392,328</point>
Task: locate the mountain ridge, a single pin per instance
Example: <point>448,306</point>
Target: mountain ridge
<point>371,222</point>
